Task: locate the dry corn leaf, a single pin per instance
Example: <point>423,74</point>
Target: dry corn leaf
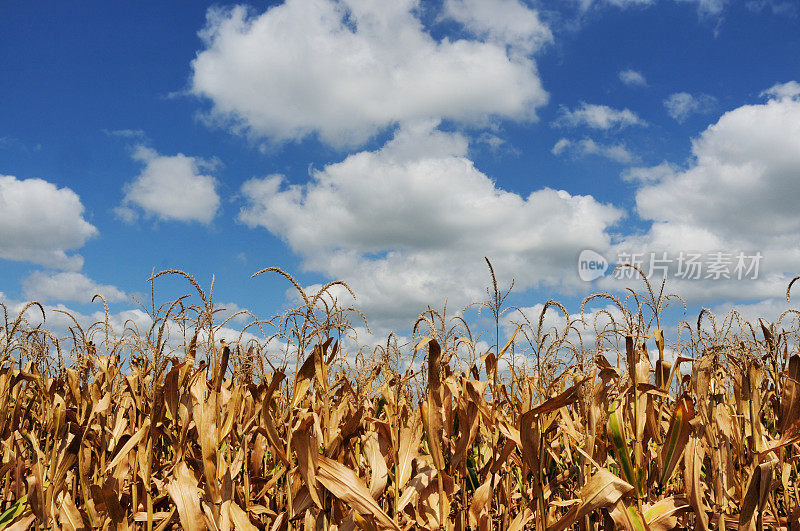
<point>627,517</point>
<point>693,461</point>
<point>603,489</point>
<point>521,520</point>
<point>183,489</point>
<point>410,438</point>
<point>790,395</point>
<point>478,510</point>
<point>306,446</point>
<point>239,518</point>
<point>661,516</point>
<point>529,435</point>
<point>379,475</point>
<point>69,516</point>
<point>343,483</point>
<point>137,437</point>
<point>565,398</point>
<point>432,412</point>
<point>364,523</point>
<point>205,413</point>
<point>755,497</point>
<point>468,427</point>
<point>417,484</point>
<point>302,381</point>
<point>22,524</point>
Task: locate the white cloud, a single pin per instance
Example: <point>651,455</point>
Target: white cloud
<point>597,117</point>
<point>9,142</point>
<point>650,174</point>
<point>708,7</point>
<point>705,8</point>
<point>40,223</point>
<point>508,22</point>
<point>632,78</point>
<point>561,146</point>
<point>778,7</point>
<point>681,105</point>
<point>232,311</point>
<point>67,286</point>
<point>769,310</point>
<point>135,134</point>
<point>744,176</point>
<point>409,225</point>
<point>587,146</point>
<point>737,194</point>
<point>584,5</point>
<point>347,69</point>
<point>171,188</point>
<point>790,89</point>
<point>493,141</point>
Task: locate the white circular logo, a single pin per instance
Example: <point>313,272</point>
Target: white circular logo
<point>591,265</point>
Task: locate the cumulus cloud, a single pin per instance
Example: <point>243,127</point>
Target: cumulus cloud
<point>508,22</point>
<point>347,69</point>
<point>587,146</point>
<point>597,117</point>
<point>632,78</point>
<point>68,287</point>
<point>744,176</point>
<point>682,105</point>
<point>171,188</point>
<point>41,223</point>
<point>738,193</point>
<point>410,223</point>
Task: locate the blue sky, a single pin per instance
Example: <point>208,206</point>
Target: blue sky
<point>393,146</point>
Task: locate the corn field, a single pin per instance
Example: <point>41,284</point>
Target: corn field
<point>171,428</point>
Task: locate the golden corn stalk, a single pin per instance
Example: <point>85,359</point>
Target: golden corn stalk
<point>135,429</point>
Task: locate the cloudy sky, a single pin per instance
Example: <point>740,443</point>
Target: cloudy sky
<point>395,144</point>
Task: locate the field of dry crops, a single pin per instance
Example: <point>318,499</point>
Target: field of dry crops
<point>121,429</point>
